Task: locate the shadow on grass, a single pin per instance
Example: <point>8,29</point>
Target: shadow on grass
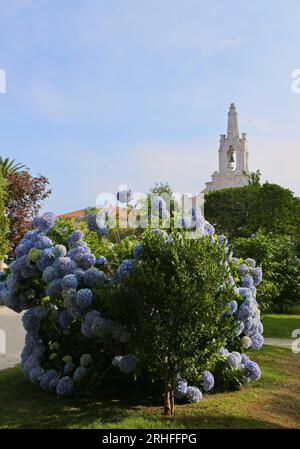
<point>25,406</point>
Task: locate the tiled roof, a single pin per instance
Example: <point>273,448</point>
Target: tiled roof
<point>82,212</point>
<point>75,213</point>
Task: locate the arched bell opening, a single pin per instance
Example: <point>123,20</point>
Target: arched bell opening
<point>231,158</point>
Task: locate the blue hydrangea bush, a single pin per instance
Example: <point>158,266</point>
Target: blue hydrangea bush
<point>157,306</point>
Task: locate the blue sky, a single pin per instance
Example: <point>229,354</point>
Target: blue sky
<point>102,93</point>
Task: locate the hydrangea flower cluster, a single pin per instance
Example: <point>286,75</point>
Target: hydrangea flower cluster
<point>242,362</point>
<point>96,222</point>
<point>125,363</point>
<point>183,391</point>
<point>69,284</point>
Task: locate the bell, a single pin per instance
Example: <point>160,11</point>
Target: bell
<point>231,158</point>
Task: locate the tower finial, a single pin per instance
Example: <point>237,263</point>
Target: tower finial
<point>233,125</point>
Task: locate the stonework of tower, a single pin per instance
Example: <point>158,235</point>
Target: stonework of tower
<point>233,157</point>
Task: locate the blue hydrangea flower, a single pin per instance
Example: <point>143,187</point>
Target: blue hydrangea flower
<point>198,223</point>
<point>180,388</point>
<point>79,373</point>
<point>94,278</point>
<point>208,380</point>
<point>35,374</point>
<point>101,260</point>
<point>91,221</point>
<point>65,386</point>
<point>43,242</point>
<point>247,281</point>
<point>251,262</point>
<point>222,240</point>
<point>138,251</point>
<point>87,261</point>
<point>252,370</point>
<point>54,287</point>
<point>125,363</point>
<point>46,378</point>
<point>246,309</point>
<point>257,341</point>
<point>69,281</point>
<point>59,251</point>
<point>49,274</point>
<point>102,230</point>
<point>86,327</point>
<point>79,273</point>
<point>64,265</point>
<point>232,307</point>
<point>125,267</point>
<point>209,229</point>
<point>46,259</point>
<point>78,252</point>
<point>243,268</point>
<point>75,237</point>
<point>31,322</point>
<point>45,222</point>
<point>193,394</point>
<point>69,368</point>
<point>29,363</point>
<point>257,275</point>
<point>234,359</point>
<point>245,292</point>
<point>245,358</point>
<point>84,297</point>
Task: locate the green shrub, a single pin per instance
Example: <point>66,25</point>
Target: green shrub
<point>280,288</point>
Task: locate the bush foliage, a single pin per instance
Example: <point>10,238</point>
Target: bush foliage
<point>242,211</point>
<point>157,306</point>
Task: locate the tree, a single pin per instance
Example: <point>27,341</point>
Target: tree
<point>162,188</point>
<point>8,167</point>
<point>242,211</point>
<point>25,194</point>
<point>3,219</point>
<point>173,304</point>
<point>253,177</point>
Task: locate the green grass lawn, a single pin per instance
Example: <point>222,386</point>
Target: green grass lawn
<point>273,402</point>
<point>280,326</point>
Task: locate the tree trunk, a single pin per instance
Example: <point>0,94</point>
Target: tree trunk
<point>169,399</point>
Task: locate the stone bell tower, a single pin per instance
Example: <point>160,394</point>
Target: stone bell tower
<point>233,157</point>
